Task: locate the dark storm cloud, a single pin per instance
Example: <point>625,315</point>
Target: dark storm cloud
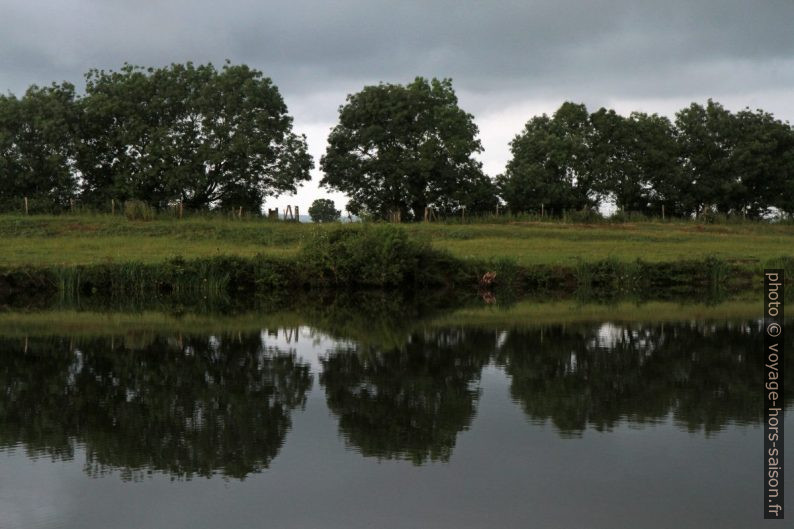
<point>490,45</point>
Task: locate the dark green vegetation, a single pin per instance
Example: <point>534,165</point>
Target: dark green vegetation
<point>195,258</point>
<point>400,149</point>
<point>369,256</point>
<point>194,137</point>
<point>710,161</point>
<point>324,210</point>
<point>184,134</point>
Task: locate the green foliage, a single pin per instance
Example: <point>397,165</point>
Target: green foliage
<point>550,167</point>
<point>711,161</point>
<point>182,133</point>
<point>741,163</point>
<point>324,210</point>
<point>138,210</point>
<point>37,148</point>
<point>404,148</point>
<point>374,256</point>
<point>188,133</point>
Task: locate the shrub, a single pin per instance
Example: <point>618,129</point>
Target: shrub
<point>373,255</point>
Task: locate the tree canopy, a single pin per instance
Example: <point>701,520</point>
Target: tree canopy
<point>550,168</point>
<point>182,133</point>
<point>402,148</point>
<point>709,160</point>
<point>324,210</point>
<point>37,145</point>
<point>188,133</point>
<point>211,138</point>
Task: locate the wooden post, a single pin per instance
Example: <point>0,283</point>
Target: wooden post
<point>181,208</point>
<point>240,213</point>
<point>297,214</point>
<point>541,210</point>
<point>112,206</point>
<point>662,211</point>
<point>26,205</point>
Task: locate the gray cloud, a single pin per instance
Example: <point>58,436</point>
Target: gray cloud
<point>506,57</point>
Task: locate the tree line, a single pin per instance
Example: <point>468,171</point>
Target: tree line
<point>181,134</point>
<point>213,139</point>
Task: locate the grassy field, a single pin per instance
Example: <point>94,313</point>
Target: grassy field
<point>72,240</point>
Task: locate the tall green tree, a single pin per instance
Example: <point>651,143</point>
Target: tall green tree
<point>404,148</point>
<point>706,137</point>
<point>551,164</point>
<point>635,161</point>
<point>188,133</point>
<point>37,145</point>
<point>739,163</point>
<point>762,161</point>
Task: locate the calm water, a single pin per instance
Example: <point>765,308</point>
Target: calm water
<point>583,425</point>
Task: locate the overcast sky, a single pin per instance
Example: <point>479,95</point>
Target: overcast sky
<point>509,60</point>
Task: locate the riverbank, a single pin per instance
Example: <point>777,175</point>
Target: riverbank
<point>70,240</point>
<point>103,255</point>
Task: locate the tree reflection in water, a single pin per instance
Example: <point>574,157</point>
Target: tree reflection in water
<point>187,407</point>
<point>705,374</point>
<point>200,405</point>
<point>409,402</point>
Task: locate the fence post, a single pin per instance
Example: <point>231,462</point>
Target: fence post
<point>26,205</point>
<point>662,211</point>
<point>297,214</point>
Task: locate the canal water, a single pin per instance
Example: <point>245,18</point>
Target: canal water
<point>596,424</point>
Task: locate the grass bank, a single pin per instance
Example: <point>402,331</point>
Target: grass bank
<point>93,239</point>
<point>84,254</point>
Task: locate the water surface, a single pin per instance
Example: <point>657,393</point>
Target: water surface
<point>597,424</point>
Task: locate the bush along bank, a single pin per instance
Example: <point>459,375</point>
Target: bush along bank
<point>373,256</point>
